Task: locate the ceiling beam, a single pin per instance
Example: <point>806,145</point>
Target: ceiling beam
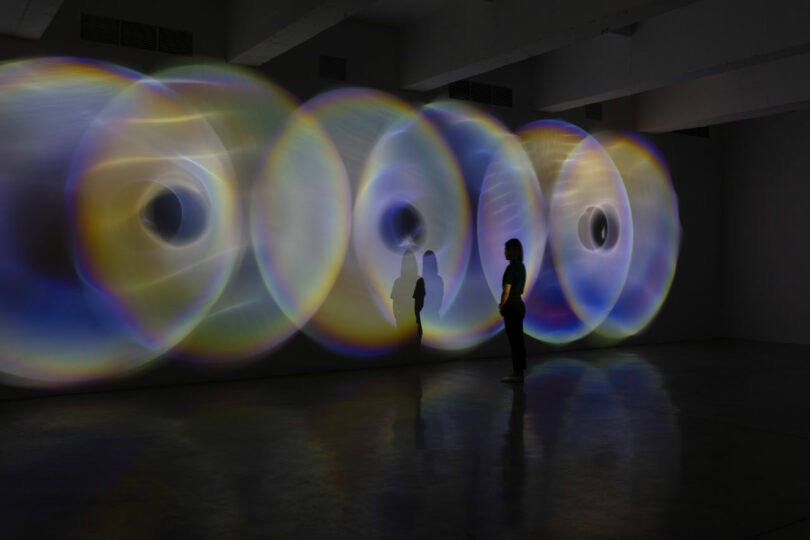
<point>739,94</point>
<point>27,18</point>
<point>260,30</point>
<point>697,40</point>
<point>473,37</point>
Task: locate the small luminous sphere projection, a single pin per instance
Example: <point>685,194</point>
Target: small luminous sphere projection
<point>656,233</point>
<point>155,212</point>
<point>549,317</point>
<point>300,215</point>
<point>412,200</point>
<point>590,232</point>
<point>506,202</point>
<point>247,113</point>
<point>56,329</point>
<point>385,145</point>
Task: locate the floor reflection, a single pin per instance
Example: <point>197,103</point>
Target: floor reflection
<point>582,448</point>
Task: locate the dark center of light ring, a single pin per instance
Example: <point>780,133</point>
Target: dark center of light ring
<point>598,228</point>
<point>402,227</point>
<point>177,215</point>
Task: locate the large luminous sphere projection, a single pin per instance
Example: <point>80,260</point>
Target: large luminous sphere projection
<point>55,329</point>
<point>590,232</point>
<point>370,307</point>
<point>155,211</point>
<point>247,113</point>
<point>506,202</point>
<point>412,200</point>
<point>300,215</point>
<point>656,233</point>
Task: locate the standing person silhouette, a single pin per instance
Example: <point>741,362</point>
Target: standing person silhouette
<point>434,287</point>
<point>418,304</point>
<point>512,308</point>
<point>402,294</point>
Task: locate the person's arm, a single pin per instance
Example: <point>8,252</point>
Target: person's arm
<point>419,296</point>
<point>506,289</point>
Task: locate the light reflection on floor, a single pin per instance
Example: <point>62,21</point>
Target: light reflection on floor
<point>704,440</point>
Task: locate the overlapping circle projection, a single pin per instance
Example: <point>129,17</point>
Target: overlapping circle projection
<point>510,206</point>
<point>656,233</point>
<point>300,215</point>
<point>155,211</point>
<point>55,329</point>
<point>411,199</point>
<point>500,184</point>
<point>549,316</point>
<point>247,113</point>
<point>378,275</point>
<point>590,231</point>
<point>203,212</point>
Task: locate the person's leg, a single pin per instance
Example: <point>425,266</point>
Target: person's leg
<point>520,340</point>
<point>514,332</point>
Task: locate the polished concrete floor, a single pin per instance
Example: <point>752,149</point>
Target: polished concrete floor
<point>702,440</point>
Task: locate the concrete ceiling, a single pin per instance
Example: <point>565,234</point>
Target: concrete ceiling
<point>27,18</point>
<point>685,63</point>
<point>681,63</point>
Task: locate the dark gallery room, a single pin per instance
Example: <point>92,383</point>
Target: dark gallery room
<point>380,269</point>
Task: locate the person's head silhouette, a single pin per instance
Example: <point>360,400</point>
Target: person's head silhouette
<point>409,267</point>
<point>430,266</point>
<point>513,250</point>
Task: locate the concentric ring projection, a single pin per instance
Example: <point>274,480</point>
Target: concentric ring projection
<point>510,206</point>
<point>549,317</point>
<point>590,232</point>
<point>498,177</point>
<point>203,212</point>
<point>55,329</point>
<point>300,217</point>
<point>145,146</point>
<point>247,113</point>
<point>656,233</point>
<point>357,316</point>
<point>412,198</point>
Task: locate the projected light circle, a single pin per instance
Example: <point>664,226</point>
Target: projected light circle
<point>591,232</point>
<point>510,206</point>
<point>300,216</point>
<point>488,156</point>
<point>656,233</point>
<point>56,330</point>
<point>411,198</point>
<point>549,317</point>
<point>355,318</point>
<point>247,113</point>
<point>155,213</point>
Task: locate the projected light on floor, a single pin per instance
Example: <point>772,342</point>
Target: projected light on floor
<point>204,214</point>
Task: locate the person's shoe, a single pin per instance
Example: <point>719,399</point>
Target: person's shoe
<point>513,379</point>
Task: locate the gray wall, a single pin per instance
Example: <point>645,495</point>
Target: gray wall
<point>766,253</point>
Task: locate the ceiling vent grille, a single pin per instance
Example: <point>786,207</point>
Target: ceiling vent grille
<point>133,34</point>
<point>480,93</point>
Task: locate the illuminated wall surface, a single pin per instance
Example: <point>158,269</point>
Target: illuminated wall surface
<point>203,211</point>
